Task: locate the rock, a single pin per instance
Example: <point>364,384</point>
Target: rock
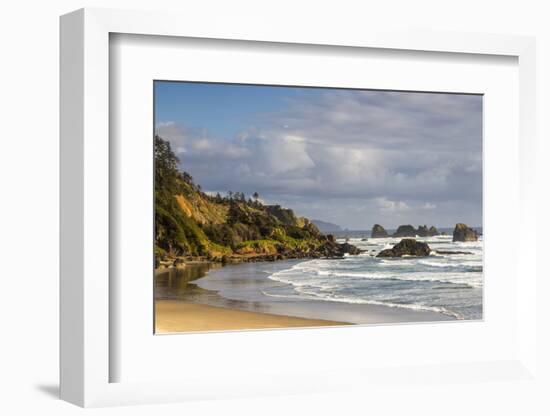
<point>405,231</point>
<point>179,262</point>
<point>331,238</point>
<point>333,249</point>
<point>350,249</point>
<point>378,231</point>
<point>464,233</point>
<point>407,247</point>
<point>422,231</point>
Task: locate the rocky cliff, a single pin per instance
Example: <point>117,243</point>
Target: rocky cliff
<point>190,224</point>
<point>326,227</point>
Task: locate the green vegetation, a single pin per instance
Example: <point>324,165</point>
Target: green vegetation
<point>190,223</point>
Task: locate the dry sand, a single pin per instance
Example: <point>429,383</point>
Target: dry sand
<point>176,316</point>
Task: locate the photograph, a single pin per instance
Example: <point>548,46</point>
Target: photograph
<point>302,206</point>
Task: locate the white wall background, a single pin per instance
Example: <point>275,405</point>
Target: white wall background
<point>29,56</point>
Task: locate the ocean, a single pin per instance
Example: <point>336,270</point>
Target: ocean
<point>451,284</point>
<point>448,285</point>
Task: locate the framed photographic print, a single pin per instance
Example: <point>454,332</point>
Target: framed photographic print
<point>298,243</point>
<point>320,199</point>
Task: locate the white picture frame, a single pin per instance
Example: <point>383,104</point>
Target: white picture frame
<point>87,356</point>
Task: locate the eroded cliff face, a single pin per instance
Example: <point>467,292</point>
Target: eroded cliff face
<point>190,224</point>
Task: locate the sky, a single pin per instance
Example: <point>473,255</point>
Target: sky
<point>350,157</point>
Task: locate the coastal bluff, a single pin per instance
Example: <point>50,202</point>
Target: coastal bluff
<point>195,226</point>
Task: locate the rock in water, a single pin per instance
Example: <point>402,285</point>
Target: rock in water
<point>422,231</point>
<point>350,249</point>
<point>432,231</point>
<point>333,249</point>
<point>407,247</point>
<point>464,233</point>
<point>405,231</point>
<point>378,232</point>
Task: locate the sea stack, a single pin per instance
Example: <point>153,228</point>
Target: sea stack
<point>422,231</point>
<point>407,247</point>
<point>432,231</point>
<point>464,233</point>
<point>405,231</point>
<point>378,232</point>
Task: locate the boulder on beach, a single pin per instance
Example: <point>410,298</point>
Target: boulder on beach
<point>464,233</point>
<point>407,247</point>
<point>405,231</point>
<point>378,232</point>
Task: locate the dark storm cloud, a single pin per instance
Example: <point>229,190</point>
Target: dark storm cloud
<point>379,155</point>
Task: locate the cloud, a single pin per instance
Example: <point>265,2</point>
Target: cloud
<point>386,205</point>
<point>396,152</point>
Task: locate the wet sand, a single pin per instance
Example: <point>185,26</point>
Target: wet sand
<point>174,316</point>
<point>231,298</point>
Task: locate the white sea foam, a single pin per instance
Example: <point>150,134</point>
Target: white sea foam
<point>412,306</point>
<point>449,284</point>
<point>350,277</point>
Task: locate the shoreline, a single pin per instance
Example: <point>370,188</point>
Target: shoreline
<point>204,302</point>
<point>174,316</point>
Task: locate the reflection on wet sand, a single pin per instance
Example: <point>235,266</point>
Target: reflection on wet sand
<point>243,287</point>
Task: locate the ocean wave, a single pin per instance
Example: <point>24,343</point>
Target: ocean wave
<point>447,284</point>
<point>303,280</point>
<point>411,306</point>
<point>456,286</point>
<point>458,265</point>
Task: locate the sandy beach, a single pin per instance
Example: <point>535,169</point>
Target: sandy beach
<point>175,316</point>
<point>206,297</point>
